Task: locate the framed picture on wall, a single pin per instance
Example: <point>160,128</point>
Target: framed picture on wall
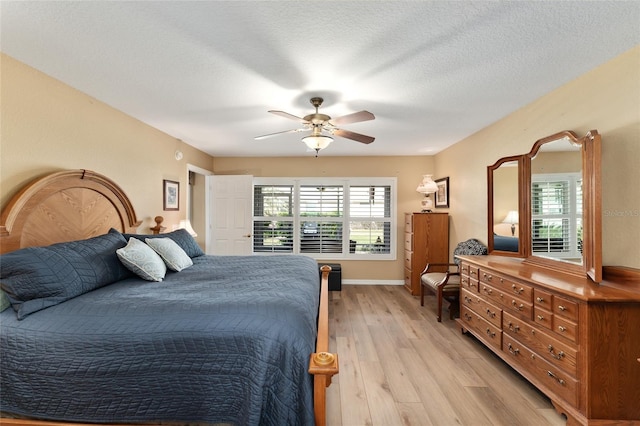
<point>442,196</point>
<point>171,195</point>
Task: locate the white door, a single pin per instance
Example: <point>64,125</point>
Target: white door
<point>231,215</point>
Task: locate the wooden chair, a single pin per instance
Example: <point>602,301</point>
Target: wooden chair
<point>445,285</point>
<point>443,279</point>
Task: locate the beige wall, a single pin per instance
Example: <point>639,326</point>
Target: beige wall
<point>48,126</point>
<point>606,99</point>
<point>407,170</point>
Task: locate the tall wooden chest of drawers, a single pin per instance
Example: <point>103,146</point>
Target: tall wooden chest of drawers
<point>426,240</point>
<point>577,341</point>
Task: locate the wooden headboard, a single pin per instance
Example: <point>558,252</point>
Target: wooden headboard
<point>65,206</point>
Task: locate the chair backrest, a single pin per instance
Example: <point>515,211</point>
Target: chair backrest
<point>469,247</point>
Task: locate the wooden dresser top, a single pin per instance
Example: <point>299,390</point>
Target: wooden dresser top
<point>612,289</point>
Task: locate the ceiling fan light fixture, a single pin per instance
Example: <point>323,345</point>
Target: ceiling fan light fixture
<point>317,142</point>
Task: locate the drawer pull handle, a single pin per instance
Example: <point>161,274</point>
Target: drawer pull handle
<point>468,299</point>
<point>540,317</point>
<point>562,308</point>
<point>467,316</point>
<point>488,277</point>
<point>516,290</point>
<point>514,328</point>
<point>472,272</point>
<point>491,314</point>
<point>490,333</point>
<point>515,305</point>
<point>539,299</point>
<point>559,355</point>
<point>559,380</point>
<point>514,351</point>
<point>487,290</point>
<point>562,329</point>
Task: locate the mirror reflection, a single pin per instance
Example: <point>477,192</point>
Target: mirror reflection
<point>506,230</point>
<point>556,201</point>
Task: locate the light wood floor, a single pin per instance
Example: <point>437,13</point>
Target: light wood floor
<point>399,366</point>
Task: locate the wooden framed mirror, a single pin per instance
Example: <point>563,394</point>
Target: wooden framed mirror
<point>558,204</point>
<point>505,182</point>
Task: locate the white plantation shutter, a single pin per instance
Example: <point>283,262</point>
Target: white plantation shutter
<point>321,218</point>
<point>370,218</point>
<point>556,220</point>
<point>273,218</point>
<point>325,218</point>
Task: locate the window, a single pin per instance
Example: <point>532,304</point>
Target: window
<point>557,215</point>
<point>325,218</point>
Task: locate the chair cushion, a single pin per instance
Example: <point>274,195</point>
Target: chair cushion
<point>433,279</point>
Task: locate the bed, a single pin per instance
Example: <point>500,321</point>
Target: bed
<point>226,340</point>
<point>505,243</point>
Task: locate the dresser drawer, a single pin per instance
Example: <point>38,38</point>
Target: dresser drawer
<point>484,330</point>
<point>558,381</point>
<point>474,272</point>
<point>407,277</point>
<point>408,241</point>
<point>542,299</point>
<point>506,300</point>
<point>518,306</point>
<point>469,283</point>
<point>484,309</point>
<point>565,328</point>
<point>543,317</point>
<point>408,257</point>
<point>509,286</point>
<point>565,308</point>
<point>464,269</point>
<point>560,354</point>
<point>408,223</point>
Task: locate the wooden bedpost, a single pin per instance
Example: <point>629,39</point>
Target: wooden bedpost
<point>323,364</point>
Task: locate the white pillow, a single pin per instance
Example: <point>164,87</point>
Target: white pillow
<point>142,260</point>
<point>172,254</point>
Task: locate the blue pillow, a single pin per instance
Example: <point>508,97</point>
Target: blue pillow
<point>180,236</point>
<point>35,278</point>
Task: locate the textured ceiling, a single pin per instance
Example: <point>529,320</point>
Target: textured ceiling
<point>207,72</point>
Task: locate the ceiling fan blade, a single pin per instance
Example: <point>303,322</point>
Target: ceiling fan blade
<point>353,118</point>
<point>278,133</point>
<point>289,116</point>
<point>354,136</point>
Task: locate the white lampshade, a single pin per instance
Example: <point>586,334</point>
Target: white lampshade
<point>186,224</point>
<point>317,142</point>
<point>427,186</point>
<point>511,218</point>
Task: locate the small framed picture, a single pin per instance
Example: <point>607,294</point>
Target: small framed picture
<point>442,196</point>
<point>171,193</point>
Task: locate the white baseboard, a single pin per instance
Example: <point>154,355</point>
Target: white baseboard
<point>373,282</point>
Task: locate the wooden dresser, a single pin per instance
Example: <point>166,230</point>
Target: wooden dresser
<point>575,340</point>
<point>426,240</point>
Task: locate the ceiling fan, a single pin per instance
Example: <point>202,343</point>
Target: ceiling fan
<point>319,123</point>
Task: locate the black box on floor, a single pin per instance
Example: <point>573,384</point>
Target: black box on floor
<point>335,276</point>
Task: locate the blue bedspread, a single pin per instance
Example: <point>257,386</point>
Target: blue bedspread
<point>226,340</point>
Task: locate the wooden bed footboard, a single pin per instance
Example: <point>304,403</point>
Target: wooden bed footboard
<point>323,364</point>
